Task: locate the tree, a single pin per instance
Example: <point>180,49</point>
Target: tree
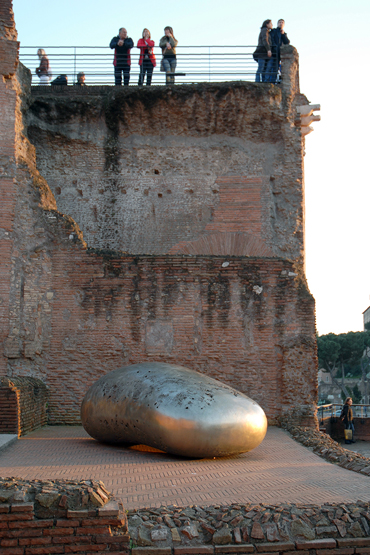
<point>356,394</point>
<point>328,351</point>
<point>335,351</point>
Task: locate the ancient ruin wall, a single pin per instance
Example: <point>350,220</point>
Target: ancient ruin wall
<point>205,169</point>
<point>23,403</point>
<point>248,324</point>
<point>70,313</point>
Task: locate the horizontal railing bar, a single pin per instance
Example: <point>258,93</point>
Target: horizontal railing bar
<point>207,63</point>
<point>179,46</point>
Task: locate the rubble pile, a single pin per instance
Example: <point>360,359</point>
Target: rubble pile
<point>247,523</point>
<point>52,498</point>
<point>327,448</point>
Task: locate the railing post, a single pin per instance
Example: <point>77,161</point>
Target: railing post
<point>75,74</point>
<point>209,64</point>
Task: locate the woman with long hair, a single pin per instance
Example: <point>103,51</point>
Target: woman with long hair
<point>168,44</point>
<point>347,417</point>
<point>43,71</point>
<point>147,58</point>
<point>263,53</point>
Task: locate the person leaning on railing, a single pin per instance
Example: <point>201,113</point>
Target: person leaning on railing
<point>43,71</point>
<point>168,44</point>
<point>278,37</point>
<point>122,45</point>
<point>263,53</point>
<point>147,58</point>
<point>80,80</point>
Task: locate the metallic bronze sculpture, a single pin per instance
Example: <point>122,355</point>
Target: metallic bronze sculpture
<point>173,409</point>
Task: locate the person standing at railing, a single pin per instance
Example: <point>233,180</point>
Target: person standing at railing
<point>347,418</point>
<point>81,79</point>
<point>168,44</point>
<point>122,45</point>
<point>278,37</point>
<point>147,58</point>
<point>263,53</point>
<point>43,71</point>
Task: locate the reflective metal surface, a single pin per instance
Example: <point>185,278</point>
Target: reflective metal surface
<point>173,409</point>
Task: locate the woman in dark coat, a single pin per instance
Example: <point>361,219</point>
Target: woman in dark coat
<point>263,53</point>
<point>347,417</point>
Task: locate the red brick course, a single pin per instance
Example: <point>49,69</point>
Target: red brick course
<point>247,324</point>
<point>60,536</point>
<point>22,405</point>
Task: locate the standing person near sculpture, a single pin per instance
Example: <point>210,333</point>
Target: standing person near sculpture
<point>122,45</point>
<point>43,71</point>
<point>347,417</point>
<point>263,53</point>
<point>168,44</point>
<point>278,37</point>
<point>147,58</point>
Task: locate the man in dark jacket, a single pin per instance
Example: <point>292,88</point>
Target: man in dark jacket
<point>122,45</point>
<point>278,37</point>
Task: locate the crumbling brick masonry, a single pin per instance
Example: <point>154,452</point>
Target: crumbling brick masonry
<point>154,224</point>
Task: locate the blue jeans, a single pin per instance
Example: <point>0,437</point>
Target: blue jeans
<point>269,70</point>
<point>169,65</point>
<point>265,70</point>
<point>260,70</point>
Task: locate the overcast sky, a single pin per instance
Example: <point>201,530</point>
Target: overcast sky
<point>333,45</point>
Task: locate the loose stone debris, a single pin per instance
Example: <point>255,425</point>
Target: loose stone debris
<point>52,498</point>
<point>327,448</point>
<point>247,523</point>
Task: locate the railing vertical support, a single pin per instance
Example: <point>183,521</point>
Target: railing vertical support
<point>75,74</point>
<point>209,64</point>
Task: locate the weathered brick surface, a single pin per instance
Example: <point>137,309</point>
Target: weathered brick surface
<point>10,410</point>
<point>209,169</point>
<point>8,100</point>
<point>231,182</point>
<point>22,404</point>
<point>110,311</point>
<point>38,536</point>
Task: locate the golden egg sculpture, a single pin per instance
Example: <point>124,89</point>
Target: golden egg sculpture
<point>174,409</point>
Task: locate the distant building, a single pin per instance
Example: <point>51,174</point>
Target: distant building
<point>366,315</point>
<point>324,377</point>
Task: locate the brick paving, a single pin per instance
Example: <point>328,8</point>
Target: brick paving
<point>279,470</point>
<point>361,447</point>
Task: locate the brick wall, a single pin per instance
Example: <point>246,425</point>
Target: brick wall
<point>335,428</point>
<point>211,170</point>
<point>8,103</point>
<point>9,410</point>
<point>104,530</point>
<point>203,169</point>
<point>23,404</point>
<point>79,531</point>
<point>249,323</point>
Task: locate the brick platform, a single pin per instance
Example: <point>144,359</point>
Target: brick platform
<point>279,470</point>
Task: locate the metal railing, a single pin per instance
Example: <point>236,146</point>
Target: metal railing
<point>198,63</point>
<point>334,410</point>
